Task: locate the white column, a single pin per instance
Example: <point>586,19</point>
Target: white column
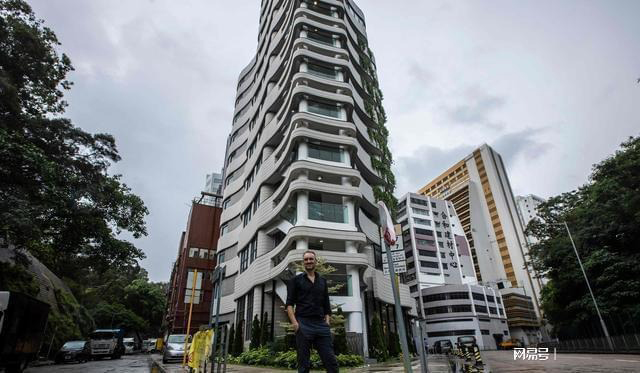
<point>304,67</point>
<point>351,212</point>
<point>302,208</point>
<point>302,244</point>
<point>302,106</point>
<point>303,150</point>
<point>354,319</point>
<point>303,33</point>
<point>340,75</point>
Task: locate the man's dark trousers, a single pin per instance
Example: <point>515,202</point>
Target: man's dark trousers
<point>315,332</point>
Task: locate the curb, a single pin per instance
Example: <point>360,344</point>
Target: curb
<point>157,364</point>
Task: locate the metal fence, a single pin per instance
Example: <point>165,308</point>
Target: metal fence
<point>624,343</point>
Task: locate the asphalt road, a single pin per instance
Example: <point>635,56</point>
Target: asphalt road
<point>127,364</point>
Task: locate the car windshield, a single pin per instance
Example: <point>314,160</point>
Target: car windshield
<point>74,344</point>
<point>178,338</point>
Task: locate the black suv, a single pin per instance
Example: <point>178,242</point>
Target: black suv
<point>443,346</point>
<point>467,341</point>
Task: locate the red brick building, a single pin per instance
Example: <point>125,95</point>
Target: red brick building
<point>196,251</point>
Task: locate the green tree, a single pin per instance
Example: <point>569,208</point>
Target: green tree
<point>340,337</point>
<point>394,343</point>
<point>378,347</point>
<point>238,340</point>
<point>147,300</point>
<point>56,198</point>
<point>115,315</point>
<point>264,329</point>
<point>231,342</point>
<point>255,333</point>
<point>604,219</point>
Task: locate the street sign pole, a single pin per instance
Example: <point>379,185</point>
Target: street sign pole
<point>384,216</point>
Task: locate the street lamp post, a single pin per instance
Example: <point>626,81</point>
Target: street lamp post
<point>604,326</point>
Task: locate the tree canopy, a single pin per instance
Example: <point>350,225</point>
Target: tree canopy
<point>56,198</point>
<point>604,219</point>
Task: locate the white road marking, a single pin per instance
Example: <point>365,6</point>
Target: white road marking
<point>629,361</point>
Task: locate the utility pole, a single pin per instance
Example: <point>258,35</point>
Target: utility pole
<point>604,326</point>
<point>218,275</point>
<point>193,292</point>
<point>388,241</point>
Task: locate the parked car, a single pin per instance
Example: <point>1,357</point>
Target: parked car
<point>443,346</point>
<point>467,341</point>
<point>149,345</point>
<point>174,348</point>
<point>129,345</point>
<point>510,344</point>
<point>79,351</point>
<point>22,324</point>
<point>107,343</point>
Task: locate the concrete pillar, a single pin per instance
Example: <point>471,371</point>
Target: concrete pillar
<point>346,156</point>
<point>339,75</point>
<point>302,244</point>
<point>302,208</point>
<point>343,113</point>
<point>351,212</point>
<point>336,42</point>
<point>303,151</point>
<point>304,67</point>
<point>303,33</point>
<point>302,106</point>
<point>354,319</point>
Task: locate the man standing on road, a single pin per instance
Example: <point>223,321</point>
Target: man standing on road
<point>309,294</point>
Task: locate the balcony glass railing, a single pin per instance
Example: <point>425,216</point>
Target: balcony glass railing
<point>321,38</point>
<point>327,212</point>
<point>339,285</point>
<point>325,153</point>
<point>322,71</point>
<point>323,109</point>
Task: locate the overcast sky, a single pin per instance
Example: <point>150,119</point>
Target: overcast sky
<point>551,85</point>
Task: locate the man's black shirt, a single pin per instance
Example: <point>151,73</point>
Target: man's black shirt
<point>311,299</point>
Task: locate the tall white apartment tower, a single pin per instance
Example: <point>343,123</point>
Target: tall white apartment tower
<point>306,161</point>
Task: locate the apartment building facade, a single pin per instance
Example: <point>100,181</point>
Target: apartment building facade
<point>479,189</point>
<point>196,258</point>
<point>441,275</point>
<point>306,161</point>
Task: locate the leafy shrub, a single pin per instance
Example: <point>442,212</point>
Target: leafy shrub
<point>348,360</point>
<point>288,359</point>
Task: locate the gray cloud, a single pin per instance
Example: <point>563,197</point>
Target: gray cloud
<point>477,108</point>
<point>427,162</point>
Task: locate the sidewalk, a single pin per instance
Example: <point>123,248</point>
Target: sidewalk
<point>436,365</point>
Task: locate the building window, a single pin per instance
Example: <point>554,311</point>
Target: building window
<point>321,108</point>
<point>325,207</point>
<point>244,260</point>
<point>413,288</point>
<point>436,310</point>
<point>432,254</point>
<point>189,287</point>
<point>427,264</point>
<point>481,309</point>
<point>505,332</point>
<point>193,252</point>
<point>458,295</point>
<point>419,202</point>
<point>434,297</point>
<point>249,317</point>
<point>322,38</point>
<point>421,221</point>
<point>478,296</point>
<point>433,205</point>
<point>420,211</point>
<point>204,254</point>
<point>224,229</point>
<point>443,255</point>
<point>490,298</point>
<point>484,332</point>
<point>325,153</point>
<point>493,310</point>
<point>322,71</point>
<point>221,257</point>
<point>461,308</point>
<point>424,232</point>
<point>445,266</point>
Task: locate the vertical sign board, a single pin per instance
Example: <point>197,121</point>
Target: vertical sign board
<point>397,254</point>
